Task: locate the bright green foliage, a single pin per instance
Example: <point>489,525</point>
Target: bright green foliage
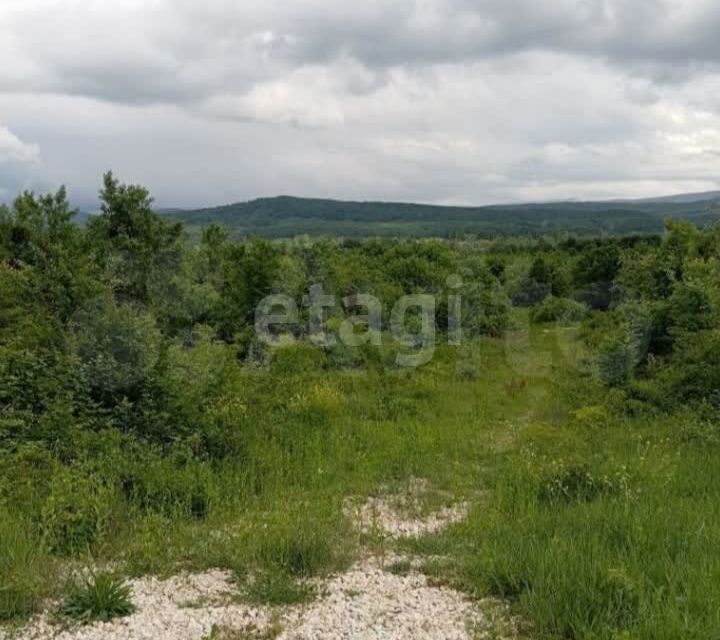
<point>667,326</point>
<point>133,244</point>
<point>248,274</point>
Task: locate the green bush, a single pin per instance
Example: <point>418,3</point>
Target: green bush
<point>119,347</point>
<point>485,310</point>
<point>615,364</point>
<point>554,309</point>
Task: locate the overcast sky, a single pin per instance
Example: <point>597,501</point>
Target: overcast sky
<point>446,101</point>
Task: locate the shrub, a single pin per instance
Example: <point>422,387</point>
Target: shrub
<point>615,364</point>
<point>529,292</point>
<point>554,309</point>
<point>102,597</point>
<point>486,309</point>
<point>689,310</point>
<point>118,346</point>
<point>694,373</point>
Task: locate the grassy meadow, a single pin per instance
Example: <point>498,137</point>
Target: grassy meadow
<point>594,522</point>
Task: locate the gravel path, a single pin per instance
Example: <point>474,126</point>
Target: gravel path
<point>369,603</point>
<point>183,607</point>
<point>365,603</point>
<point>397,515</point>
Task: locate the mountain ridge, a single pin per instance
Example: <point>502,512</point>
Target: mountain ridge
<point>287,216</point>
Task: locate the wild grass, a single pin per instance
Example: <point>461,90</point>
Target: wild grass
<point>26,570</point>
<point>399,567</point>
<point>594,521</point>
<point>99,597</point>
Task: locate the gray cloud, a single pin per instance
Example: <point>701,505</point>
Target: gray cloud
<point>434,100</point>
<point>184,51</point>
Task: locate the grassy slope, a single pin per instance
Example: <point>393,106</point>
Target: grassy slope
<point>496,423</point>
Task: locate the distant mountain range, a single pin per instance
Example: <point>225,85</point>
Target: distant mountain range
<point>681,198</point>
<point>286,216</point>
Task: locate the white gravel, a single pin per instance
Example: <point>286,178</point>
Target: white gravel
<point>368,603</point>
<point>184,607</point>
<point>397,514</point>
<point>365,603</point>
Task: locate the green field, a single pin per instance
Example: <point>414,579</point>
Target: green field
<point>144,428</point>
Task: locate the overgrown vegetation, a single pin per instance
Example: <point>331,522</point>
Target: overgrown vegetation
<point>142,421</point>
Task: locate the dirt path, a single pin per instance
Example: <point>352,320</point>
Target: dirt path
<point>372,600</point>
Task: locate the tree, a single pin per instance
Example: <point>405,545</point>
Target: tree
<point>249,272</point>
<point>134,243</point>
<point>37,236</point>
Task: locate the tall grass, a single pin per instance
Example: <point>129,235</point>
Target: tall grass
<point>593,522</point>
<point>26,571</point>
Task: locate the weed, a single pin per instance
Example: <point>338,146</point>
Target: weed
<point>275,588</point>
<point>24,567</point>
<point>577,483</point>
<point>76,511</point>
<point>399,567</point>
<point>102,596</point>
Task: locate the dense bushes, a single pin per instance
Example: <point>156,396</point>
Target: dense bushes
<point>663,343</point>
<point>121,325</point>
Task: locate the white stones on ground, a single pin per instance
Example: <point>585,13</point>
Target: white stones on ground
<point>394,514</point>
<point>365,603</point>
<point>184,607</point>
<point>368,603</point>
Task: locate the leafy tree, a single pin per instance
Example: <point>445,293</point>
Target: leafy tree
<point>595,272</point>
<point>249,273</point>
<point>119,347</point>
<point>134,244</point>
<point>37,236</point>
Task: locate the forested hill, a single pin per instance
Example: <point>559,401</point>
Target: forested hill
<point>289,216</point>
